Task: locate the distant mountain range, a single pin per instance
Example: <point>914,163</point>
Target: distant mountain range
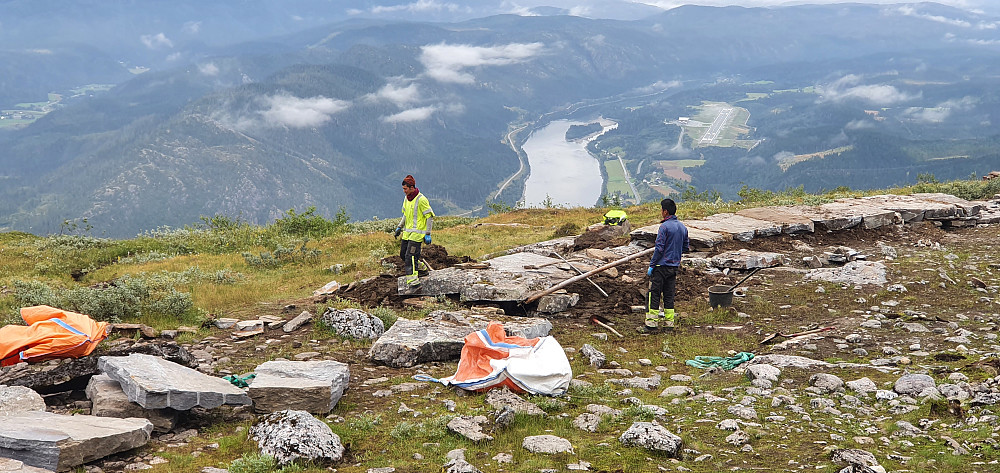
<point>264,109</point>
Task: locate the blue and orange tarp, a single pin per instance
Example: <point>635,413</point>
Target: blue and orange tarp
<point>51,333</point>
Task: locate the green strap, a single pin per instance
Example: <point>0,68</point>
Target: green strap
<point>240,381</point>
<point>726,363</point>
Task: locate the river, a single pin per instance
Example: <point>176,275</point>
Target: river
<point>562,170</point>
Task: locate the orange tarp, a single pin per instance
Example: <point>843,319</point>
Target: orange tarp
<point>51,333</point>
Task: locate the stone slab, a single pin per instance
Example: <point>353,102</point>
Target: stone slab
<point>60,443</point>
<point>109,400</point>
<point>965,207</point>
<point>912,209</point>
<point>505,280</point>
<point>747,259</point>
<point>311,386</point>
<point>558,245</point>
<point>441,336</point>
<point>741,228</point>
<point>790,221</point>
<point>155,383</point>
<point>871,216</point>
<point>697,237</point>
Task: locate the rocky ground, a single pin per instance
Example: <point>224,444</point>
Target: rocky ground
<point>906,380</point>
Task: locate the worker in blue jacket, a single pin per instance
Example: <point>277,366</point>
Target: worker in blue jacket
<point>671,242</point>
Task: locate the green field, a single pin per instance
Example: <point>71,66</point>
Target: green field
<point>730,134</point>
<point>616,178</point>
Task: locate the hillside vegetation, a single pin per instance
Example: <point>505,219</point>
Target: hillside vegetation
<point>225,267</point>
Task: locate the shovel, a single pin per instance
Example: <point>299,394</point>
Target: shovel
<point>603,322</point>
<point>793,335</point>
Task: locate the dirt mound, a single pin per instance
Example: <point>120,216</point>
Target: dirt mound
<point>599,240</point>
<point>377,291</point>
<point>435,255</point>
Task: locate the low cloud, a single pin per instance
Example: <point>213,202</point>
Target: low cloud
<point>859,124</point>
<point>850,87</point>
<point>940,113</point>
<point>294,112</point>
<point>398,94</point>
<point>40,51</point>
<point>191,27</point>
<point>208,69</point>
<point>411,115</point>
<point>448,62</point>
<point>414,7</point>
<point>659,86</point>
<point>783,156</point>
<point>156,41</point>
<point>754,161</point>
<point>907,10</point>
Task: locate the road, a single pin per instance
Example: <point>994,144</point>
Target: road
<point>720,121</point>
<point>520,159</point>
<point>628,179</point>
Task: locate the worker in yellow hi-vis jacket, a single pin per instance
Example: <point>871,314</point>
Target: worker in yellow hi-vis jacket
<point>415,228</point>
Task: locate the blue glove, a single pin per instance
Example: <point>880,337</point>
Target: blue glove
<point>397,232</point>
<point>427,238</point>
<point>649,272</point>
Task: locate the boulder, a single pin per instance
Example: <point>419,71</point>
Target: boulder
<point>912,384</point>
<point>109,400</point>
<point>737,226</point>
<point>296,435</point>
<point>547,444</point>
<point>441,336</point>
<point>853,273</point>
<point>60,443</point>
<point>747,259</point>
<point>652,436</point>
<point>555,303</point>
<point>18,399</point>
<point>155,383</point>
<point>353,323</point>
<point>311,386</point>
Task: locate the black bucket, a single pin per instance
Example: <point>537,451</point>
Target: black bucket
<point>720,296</point>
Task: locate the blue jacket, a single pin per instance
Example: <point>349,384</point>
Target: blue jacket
<point>671,241</point>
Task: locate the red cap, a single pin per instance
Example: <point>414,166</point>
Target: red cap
<point>409,182</point>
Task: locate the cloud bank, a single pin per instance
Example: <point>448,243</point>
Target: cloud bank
<point>294,112</point>
<point>448,62</point>
<point>850,87</point>
<point>156,41</point>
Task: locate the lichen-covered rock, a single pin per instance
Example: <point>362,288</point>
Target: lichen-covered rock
<point>652,436</point>
<point>353,323</point>
<point>292,435</point>
<point>913,384</point>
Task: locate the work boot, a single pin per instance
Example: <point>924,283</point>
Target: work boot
<point>421,266</point>
<point>647,330</point>
<point>668,319</point>
<point>413,281</point>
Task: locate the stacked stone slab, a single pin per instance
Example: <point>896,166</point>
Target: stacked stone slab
<point>155,383</point>
<point>109,400</point>
<point>311,386</point>
<point>60,443</point>
<point>866,213</point>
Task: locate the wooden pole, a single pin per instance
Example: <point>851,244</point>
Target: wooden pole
<point>574,279</point>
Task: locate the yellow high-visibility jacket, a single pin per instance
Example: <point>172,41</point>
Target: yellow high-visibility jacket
<point>417,218</point>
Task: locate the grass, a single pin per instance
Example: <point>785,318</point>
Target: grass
<point>616,178</point>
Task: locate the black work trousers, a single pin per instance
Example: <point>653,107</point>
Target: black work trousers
<point>409,251</point>
<point>662,283</point>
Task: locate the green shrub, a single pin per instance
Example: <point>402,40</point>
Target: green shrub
<point>126,298</point>
<point>253,463</point>
<point>308,224</point>
<point>282,256</point>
